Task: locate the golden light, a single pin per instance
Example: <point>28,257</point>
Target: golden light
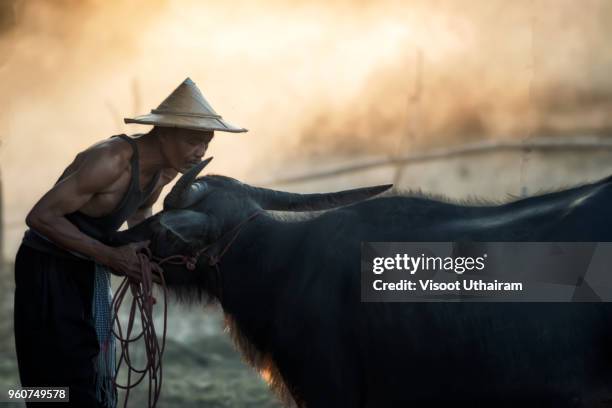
<point>266,375</point>
<point>303,77</point>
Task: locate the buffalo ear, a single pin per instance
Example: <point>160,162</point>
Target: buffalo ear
<point>188,226</point>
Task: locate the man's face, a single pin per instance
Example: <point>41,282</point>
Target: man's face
<point>183,148</point>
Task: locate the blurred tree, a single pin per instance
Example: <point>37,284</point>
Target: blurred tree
<point>7,15</point>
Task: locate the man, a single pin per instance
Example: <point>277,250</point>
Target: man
<point>57,269</point>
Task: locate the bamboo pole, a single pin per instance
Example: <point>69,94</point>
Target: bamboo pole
<point>487,146</point>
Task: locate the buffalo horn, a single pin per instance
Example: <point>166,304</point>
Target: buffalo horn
<point>283,201</point>
<point>182,195</point>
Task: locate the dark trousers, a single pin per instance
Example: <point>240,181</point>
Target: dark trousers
<point>55,336</point>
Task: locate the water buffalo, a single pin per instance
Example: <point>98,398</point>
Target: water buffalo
<point>290,289</point>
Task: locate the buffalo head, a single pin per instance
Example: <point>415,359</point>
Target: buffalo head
<point>198,211</point>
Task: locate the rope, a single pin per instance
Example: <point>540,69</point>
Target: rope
<point>142,303</point>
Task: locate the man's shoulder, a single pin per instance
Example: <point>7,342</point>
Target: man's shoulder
<point>107,159</point>
<point>112,150</point>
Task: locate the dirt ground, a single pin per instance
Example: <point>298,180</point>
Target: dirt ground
<point>201,368</point>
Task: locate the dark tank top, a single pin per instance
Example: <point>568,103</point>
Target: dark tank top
<point>101,227</point>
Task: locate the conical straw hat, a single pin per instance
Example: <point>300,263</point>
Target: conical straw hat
<point>186,108</point>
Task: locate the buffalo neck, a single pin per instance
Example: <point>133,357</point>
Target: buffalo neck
<point>254,271</point>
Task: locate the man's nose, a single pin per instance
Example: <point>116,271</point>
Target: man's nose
<point>201,150</point>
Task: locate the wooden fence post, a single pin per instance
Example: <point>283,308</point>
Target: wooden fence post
<point>1,226</point>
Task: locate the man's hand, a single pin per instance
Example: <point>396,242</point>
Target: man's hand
<point>124,260</point>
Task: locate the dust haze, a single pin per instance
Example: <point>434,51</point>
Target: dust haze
<point>310,80</point>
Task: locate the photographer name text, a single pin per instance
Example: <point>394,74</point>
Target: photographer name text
<point>470,285</point>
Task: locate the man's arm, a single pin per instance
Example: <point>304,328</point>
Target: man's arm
<point>97,171</point>
<point>140,215</point>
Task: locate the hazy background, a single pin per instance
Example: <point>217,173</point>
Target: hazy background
<point>319,84</point>
<point>310,80</point>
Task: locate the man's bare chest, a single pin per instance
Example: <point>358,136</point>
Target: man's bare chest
<point>108,200</point>
<point>105,202</point>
